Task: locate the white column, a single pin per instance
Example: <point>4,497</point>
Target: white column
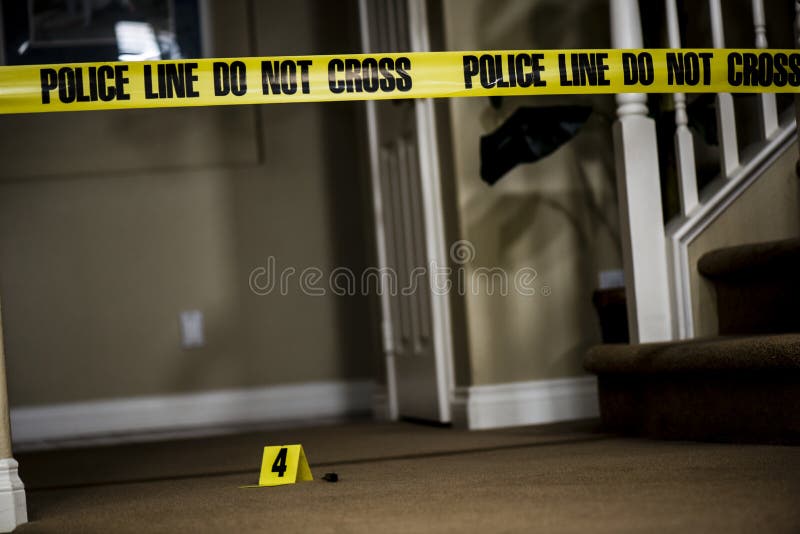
<point>769,105</point>
<point>726,117</point>
<point>639,190</point>
<point>13,510</point>
<point>684,144</point>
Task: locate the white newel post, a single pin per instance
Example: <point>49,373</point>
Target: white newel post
<point>13,510</point>
<point>638,184</point>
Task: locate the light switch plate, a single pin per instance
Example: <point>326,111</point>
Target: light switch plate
<point>192,335</point>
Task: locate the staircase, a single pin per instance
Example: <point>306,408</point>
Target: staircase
<point>742,386</point>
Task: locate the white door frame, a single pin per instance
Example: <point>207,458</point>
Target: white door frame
<point>432,208</point>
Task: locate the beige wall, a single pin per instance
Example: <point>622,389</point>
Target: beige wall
<point>767,210</point>
<point>112,223</point>
<point>558,215</point>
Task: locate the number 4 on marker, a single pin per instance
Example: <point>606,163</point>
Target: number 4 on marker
<point>284,464</point>
<point>279,466</point>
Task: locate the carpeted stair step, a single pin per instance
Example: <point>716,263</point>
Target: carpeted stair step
<point>723,389</point>
<point>757,287</point>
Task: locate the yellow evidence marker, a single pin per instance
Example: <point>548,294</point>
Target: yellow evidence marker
<point>284,464</point>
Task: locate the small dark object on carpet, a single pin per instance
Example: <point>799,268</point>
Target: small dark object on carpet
<point>330,477</point>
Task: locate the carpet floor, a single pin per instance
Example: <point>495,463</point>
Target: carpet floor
<point>411,478</point>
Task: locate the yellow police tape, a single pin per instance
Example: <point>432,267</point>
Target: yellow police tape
<point>213,82</point>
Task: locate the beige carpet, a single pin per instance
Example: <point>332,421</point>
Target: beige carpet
<point>408,478</point>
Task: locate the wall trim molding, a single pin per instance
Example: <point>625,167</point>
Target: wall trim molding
<point>191,414</point>
<point>525,403</point>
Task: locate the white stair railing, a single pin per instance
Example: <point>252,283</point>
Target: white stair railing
<point>655,256</point>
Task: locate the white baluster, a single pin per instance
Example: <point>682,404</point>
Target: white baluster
<point>726,117</point>
<point>797,23</point>
<point>769,105</point>
<point>797,45</point>
<point>639,190</point>
<point>684,144</point>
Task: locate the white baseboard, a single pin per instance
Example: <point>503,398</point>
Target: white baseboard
<point>525,403</point>
<point>123,420</point>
